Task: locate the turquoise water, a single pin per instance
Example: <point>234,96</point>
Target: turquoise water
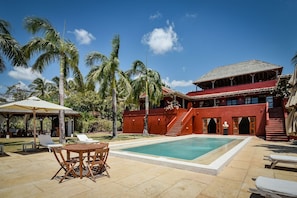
<point>186,149</point>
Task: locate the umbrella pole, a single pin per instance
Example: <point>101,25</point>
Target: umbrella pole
<point>34,127</point>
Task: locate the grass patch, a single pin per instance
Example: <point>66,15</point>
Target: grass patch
<point>15,144</point>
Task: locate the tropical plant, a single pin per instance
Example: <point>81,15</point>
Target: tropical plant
<point>148,82</point>
<point>17,92</point>
<point>40,88</point>
<point>107,74</point>
<point>51,47</point>
<point>9,47</point>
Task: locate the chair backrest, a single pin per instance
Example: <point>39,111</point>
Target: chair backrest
<point>59,155</point>
<point>45,139</point>
<point>102,154</point>
<point>82,137</point>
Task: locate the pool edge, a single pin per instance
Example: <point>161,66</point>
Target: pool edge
<point>213,169</point>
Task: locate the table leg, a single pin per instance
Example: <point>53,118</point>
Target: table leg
<point>80,164</point>
<point>68,155</point>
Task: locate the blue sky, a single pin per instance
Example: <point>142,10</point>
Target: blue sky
<point>182,40</point>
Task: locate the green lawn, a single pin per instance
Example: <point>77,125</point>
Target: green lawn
<point>14,144</point>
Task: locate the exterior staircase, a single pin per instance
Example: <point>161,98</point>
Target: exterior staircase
<point>176,128</point>
<point>275,126</point>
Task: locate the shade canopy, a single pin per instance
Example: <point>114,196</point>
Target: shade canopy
<point>34,104</point>
<point>291,120</point>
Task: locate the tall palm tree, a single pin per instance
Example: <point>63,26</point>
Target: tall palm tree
<point>51,47</point>
<point>40,88</point>
<point>107,73</point>
<point>148,81</point>
<point>9,47</point>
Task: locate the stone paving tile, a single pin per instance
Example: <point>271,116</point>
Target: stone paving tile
<point>222,187</point>
<point>184,188</point>
<point>236,174</point>
<point>30,176</point>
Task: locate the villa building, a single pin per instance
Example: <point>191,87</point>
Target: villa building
<point>241,94</point>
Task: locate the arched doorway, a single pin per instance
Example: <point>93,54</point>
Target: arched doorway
<point>212,126</point>
<point>244,126</point>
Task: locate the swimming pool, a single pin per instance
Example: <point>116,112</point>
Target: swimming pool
<point>186,149</point>
<point>210,162</point>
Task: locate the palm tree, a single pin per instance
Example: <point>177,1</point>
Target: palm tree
<point>9,47</point>
<point>17,92</point>
<point>51,47</point>
<point>107,73</point>
<point>40,88</point>
<point>146,81</point>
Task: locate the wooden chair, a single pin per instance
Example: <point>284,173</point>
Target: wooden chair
<point>97,163</point>
<point>67,165</point>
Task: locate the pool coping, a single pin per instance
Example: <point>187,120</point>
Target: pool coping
<point>213,168</point>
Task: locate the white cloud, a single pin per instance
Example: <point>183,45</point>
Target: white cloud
<point>177,83</point>
<point>191,15</point>
<point>156,16</point>
<point>162,40</point>
<point>83,37</point>
<point>21,73</point>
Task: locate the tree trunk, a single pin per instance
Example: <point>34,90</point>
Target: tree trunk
<point>61,99</point>
<point>114,113</point>
<point>145,129</point>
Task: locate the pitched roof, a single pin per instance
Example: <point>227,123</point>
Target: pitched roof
<point>242,68</point>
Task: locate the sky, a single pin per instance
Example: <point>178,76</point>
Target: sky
<point>181,39</point>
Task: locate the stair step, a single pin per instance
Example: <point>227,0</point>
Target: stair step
<point>176,128</point>
<point>275,128</point>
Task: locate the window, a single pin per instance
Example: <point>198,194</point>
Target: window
<point>251,100</point>
<point>254,100</point>
<point>269,99</point>
<point>231,101</point>
<point>248,100</point>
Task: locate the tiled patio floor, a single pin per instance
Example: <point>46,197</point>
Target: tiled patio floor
<point>29,176</point>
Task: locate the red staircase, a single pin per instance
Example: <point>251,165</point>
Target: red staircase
<point>275,126</point>
<point>176,128</point>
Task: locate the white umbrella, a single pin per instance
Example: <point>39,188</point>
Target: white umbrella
<point>34,104</point>
<point>291,120</point>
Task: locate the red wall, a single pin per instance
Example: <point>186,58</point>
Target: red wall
<point>226,113</point>
<point>159,118</point>
<point>133,121</point>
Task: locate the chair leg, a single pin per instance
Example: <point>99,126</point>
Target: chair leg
<point>107,170</point>
<point>67,173</point>
<point>90,173</point>
<point>57,173</point>
<point>273,164</point>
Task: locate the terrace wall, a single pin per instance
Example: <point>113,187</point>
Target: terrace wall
<point>159,118</point>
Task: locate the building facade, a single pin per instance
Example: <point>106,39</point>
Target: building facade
<point>241,94</point>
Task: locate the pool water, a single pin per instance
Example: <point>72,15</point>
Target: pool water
<point>186,149</point>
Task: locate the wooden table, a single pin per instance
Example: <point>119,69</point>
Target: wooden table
<point>81,149</point>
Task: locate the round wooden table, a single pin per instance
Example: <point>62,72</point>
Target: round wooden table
<point>81,149</point>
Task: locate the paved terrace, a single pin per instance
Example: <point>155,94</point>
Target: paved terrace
<point>29,176</point>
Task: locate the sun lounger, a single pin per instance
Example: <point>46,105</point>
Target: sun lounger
<point>280,159</point>
<point>84,139</point>
<point>46,141</point>
<point>275,188</point>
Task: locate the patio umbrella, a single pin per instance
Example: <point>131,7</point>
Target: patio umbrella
<point>34,104</point>
<point>291,120</point>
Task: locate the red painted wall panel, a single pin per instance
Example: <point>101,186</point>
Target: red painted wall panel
<point>158,119</point>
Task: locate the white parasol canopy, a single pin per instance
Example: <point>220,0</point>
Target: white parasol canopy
<point>291,120</point>
<point>34,104</point>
